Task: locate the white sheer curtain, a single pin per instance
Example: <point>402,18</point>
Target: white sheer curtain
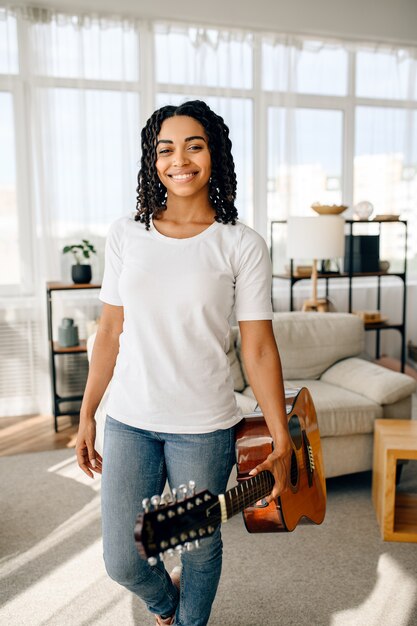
<point>85,129</point>
<point>303,81</point>
<point>82,89</point>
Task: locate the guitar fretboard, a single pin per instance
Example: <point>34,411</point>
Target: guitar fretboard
<point>248,492</point>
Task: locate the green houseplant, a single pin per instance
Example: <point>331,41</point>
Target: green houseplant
<point>80,271</point>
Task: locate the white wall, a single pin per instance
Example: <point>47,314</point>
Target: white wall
<point>391,20</point>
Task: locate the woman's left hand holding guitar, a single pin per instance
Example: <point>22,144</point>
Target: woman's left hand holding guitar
<point>278,463</point>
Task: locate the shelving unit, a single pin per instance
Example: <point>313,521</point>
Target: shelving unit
<point>56,350</point>
<point>350,275</point>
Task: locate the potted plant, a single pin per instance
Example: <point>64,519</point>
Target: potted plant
<point>81,272</point>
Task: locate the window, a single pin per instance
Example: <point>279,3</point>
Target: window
<point>384,74</point>
<point>88,142</point>
<point>304,160</point>
<point>385,168</point>
<point>9,59</point>
<point>10,269</point>
<point>305,67</point>
<point>82,48</point>
<point>204,57</point>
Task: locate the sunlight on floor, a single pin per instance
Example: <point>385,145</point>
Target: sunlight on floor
<point>69,469</point>
<point>86,516</point>
<point>390,602</point>
<point>59,587</point>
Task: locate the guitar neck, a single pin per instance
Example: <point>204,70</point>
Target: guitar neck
<point>247,492</point>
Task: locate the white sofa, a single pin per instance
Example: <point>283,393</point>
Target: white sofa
<point>321,351</point>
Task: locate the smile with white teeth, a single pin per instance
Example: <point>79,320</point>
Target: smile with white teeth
<point>182,176</point>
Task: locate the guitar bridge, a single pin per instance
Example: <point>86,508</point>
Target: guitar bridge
<point>311,457</point>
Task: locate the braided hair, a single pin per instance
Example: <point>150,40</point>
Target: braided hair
<point>152,194</point>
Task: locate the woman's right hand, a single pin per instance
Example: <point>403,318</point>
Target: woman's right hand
<point>87,456</point>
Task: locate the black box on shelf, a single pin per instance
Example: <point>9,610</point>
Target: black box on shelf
<point>365,253</point>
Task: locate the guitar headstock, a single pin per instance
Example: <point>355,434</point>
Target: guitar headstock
<point>173,524</point>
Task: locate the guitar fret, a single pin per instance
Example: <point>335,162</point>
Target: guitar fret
<point>247,492</point>
<point>261,485</point>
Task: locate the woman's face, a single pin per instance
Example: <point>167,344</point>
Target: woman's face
<point>183,160</point>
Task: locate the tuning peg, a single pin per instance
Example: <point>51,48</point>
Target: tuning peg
<point>183,489</point>
<point>170,552</point>
<point>152,561</point>
<point>191,487</point>
<point>146,503</point>
<point>179,549</point>
<point>174,494</point>
<point>166,498</point>
<point>161,556</point>
<point>189,546</point>
<point>196,543</point>
<point>155,501</point>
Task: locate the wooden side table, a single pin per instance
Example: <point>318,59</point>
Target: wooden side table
<point>396,512</point>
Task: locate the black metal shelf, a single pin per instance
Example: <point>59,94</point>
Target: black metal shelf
<point>350,275</point>
<point>56,350</point>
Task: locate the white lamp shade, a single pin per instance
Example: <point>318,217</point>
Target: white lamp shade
<point>321,237</point>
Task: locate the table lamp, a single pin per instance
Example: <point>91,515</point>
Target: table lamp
<point>321,237</point>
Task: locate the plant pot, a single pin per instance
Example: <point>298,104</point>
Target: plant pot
<point>81,274</point>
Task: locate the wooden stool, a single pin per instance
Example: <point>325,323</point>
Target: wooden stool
<point>396,512</point>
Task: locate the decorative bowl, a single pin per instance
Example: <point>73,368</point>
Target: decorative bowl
<point>363,210</point>
<point>327,209</point>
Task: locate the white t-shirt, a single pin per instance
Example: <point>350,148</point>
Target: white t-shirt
<point>172,373</point>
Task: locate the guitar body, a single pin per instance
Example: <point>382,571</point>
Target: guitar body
<point>304,498</point>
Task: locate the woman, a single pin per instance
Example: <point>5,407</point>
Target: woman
<point>173,276</point>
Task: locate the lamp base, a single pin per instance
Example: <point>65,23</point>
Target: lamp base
<point>321,305</point>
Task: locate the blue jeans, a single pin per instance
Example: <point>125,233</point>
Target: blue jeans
<point>136,465</point>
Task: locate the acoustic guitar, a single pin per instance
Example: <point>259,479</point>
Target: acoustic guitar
<point>174,524</point>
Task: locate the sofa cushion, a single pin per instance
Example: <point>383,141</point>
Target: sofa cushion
<point>339,411</point>
<point>310,342</point>
<point>235,366</point>
<point>371,380</point>
<point>246,403</point>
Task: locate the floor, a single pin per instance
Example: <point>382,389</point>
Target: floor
<point>35,433</point>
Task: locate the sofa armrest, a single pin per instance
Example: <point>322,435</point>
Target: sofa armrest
<point>370,380</point>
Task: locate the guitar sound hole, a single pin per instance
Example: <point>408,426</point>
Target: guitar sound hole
<point>294,427</point>
<point>294,469</point>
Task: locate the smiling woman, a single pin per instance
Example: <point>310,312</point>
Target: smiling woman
<point>171,413</point>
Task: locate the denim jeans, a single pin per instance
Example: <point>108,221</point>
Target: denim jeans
<point>136,465</point>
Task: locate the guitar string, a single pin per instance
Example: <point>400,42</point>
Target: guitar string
<point>260,486</point>
<point>245,494</point>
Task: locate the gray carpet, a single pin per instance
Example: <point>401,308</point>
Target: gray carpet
<point>337,574</point>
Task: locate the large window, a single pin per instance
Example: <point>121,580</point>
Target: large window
<point>304,160</point>
<point>310,120</point>
<point>10,266</point>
